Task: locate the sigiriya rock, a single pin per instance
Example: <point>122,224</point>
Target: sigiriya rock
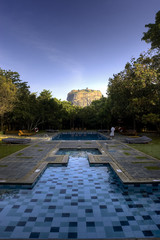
<point>83,97</point>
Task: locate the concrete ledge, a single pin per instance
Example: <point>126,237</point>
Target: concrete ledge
<point>16,140</point>
<point>26,166</point>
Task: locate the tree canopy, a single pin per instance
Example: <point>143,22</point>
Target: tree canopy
<point>135,92</point>
<point>153,34</point>
<point>7,95</point>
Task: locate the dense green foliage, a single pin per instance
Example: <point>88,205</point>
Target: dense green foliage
<point>7,95</point>
<point>27,110</point>
<point>153,34</point>
<point>134,93</point>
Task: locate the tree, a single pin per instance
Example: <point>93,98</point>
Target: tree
<point>101,113</point>
<point>19,116</point>
<point>45,95</point>
<point>7,96</point>
<point>50,110</point>
<point>134,92</point>
<point>153,119</point>
<point>32,114</point>
<point>68,113</point>
<point>10,75</point>
<point>153,34</point>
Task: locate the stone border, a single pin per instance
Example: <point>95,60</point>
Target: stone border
<point>47,158</point>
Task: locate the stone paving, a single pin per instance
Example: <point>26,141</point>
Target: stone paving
<point>25,166</point>
<point>137,166</point>
<point>79,202</point>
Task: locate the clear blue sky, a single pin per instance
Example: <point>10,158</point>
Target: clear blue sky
<point>60,45</point>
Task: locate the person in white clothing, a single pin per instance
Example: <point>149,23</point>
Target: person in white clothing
<point>112,132</point>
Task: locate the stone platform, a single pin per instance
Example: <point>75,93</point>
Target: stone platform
<point>25,167</point>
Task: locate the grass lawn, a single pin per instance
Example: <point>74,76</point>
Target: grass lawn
<point>7,149</point>
<point>152,148</point>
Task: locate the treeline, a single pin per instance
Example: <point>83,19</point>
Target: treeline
<point>134,93</point>
<point>21,109</point>
<point>133,98</point>
<point>133,101</point>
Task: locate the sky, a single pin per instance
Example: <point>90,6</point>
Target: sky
<point>61,45</point>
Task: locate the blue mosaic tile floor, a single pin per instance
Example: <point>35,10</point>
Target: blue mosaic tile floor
<point>78,201</point>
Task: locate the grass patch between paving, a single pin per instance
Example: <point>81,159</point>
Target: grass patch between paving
<point>141,157</point>
<point>19,154</point>
<point>152,148</point>
<point>126,153</point>
<point>143,162</point>
<point>153,168</point>
<point>7,149</point>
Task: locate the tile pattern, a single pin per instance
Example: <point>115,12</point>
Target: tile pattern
<point>24,167</point>
<point>19,164</point>
<point>79,201</point>
<point>133,162</point>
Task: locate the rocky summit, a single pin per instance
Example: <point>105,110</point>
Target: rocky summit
<point>83,97</point>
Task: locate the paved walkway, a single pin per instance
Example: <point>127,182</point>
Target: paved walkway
<point>24,167</point>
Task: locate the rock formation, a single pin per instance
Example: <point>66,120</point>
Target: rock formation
<point>83,97</point>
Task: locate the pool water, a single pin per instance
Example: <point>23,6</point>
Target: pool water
<point>79,201</point>
<point>79,136</point>
<point>81,152</point>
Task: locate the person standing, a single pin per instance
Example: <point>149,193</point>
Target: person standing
<point>112,132</point>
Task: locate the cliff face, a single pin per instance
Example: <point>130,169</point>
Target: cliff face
<point>83,97</point>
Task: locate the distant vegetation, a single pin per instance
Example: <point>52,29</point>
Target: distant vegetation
<point>133,98</point>
<point>45,112</point>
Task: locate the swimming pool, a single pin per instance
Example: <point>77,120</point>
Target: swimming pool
<point>79,136</point>
<point>79,201</point>
<point>83,152</point>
